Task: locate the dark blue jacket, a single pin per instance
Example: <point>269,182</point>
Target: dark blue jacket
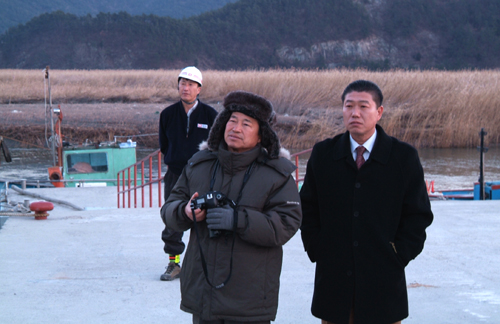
<point>176,144</point>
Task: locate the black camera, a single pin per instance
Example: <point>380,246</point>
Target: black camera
<point>211,199</point>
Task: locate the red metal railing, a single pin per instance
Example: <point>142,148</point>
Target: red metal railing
<point>296,156</point>
<point>129,185</point>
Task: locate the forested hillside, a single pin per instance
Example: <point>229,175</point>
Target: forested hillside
<point>15,12</point>
<point>375,34</point>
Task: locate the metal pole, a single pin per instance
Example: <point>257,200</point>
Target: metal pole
<point>150,181</point>
<point>118,188</point>
<point>160,198</point>
<point>142,183</point>
<point>53,144</point>
<point>482,150</point>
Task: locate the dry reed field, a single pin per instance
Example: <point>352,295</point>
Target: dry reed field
<point>424,108</point>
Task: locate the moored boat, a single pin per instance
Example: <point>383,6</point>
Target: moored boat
<point>93,165</point>
<point>491,192</point>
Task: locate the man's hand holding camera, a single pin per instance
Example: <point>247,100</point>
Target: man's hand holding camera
<point>220,218</point>
<point>216,208</point>
<point>200,214</point>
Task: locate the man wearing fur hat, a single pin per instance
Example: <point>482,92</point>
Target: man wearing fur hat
<point>233,262</point>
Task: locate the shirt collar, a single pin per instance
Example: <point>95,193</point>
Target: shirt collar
<point>192,108</point>
<point>368,144</point>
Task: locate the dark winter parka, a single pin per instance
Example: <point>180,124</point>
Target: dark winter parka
<point>363,227</point>
<point>269,214</point>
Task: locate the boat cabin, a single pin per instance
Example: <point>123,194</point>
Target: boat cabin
<point>91,165</point>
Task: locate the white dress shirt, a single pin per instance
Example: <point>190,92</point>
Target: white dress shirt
<point>368,146</point>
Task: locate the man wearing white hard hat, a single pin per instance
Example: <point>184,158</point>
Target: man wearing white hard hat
<point>183,126</point>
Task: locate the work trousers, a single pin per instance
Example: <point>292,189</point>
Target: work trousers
<point>173,240</point>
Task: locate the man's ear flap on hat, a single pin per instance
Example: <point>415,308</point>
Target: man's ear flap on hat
<point>216,134</point>
<point>270,141</point>
<point>272,119</point>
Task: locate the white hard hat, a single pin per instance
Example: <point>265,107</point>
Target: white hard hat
<point>191,73</point>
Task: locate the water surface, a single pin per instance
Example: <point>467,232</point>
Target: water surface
<point>448,168</point>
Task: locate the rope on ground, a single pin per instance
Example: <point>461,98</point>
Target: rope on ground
<point>57,201</point>
<point>15,214</point>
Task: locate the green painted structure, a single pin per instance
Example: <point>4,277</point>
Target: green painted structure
<point>94,163</point>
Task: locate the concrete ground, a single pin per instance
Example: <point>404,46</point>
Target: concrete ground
<point>102,265</point>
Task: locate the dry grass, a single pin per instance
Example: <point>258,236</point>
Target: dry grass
<point>88,86</point>
<point>426,108</point>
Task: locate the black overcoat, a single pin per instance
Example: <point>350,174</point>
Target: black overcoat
<point>363,227</point>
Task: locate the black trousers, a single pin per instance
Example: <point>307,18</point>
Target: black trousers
<point>173,240</point>
<point>198,320</point>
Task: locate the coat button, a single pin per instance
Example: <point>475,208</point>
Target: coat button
<point>349,273</point>
<point>356,214</point>
<point>357,185</point>
<point>355,243</point>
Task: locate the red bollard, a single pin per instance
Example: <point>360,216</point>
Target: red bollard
<point>41,208</point>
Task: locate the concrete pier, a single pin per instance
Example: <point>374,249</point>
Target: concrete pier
<point>102,265</point>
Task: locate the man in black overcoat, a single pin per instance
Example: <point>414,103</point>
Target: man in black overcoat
<point>365,211</point>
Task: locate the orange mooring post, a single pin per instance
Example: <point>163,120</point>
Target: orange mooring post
<point>41,208</point>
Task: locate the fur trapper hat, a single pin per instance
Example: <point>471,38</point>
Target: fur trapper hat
<point>251,105</point>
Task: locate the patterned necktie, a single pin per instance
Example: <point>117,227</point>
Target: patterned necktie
<point>359,157</point>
